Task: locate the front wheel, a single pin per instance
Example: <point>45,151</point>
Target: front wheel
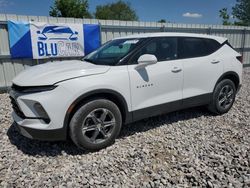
<point>96,124</point>
<point>223,97</point>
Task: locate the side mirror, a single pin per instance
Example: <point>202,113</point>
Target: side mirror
<point>146,59</point>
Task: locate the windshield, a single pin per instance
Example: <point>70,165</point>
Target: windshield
<point>112,52</point>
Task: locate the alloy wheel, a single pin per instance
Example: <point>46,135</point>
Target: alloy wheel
<point>226,96</point>
<point>98,125</point>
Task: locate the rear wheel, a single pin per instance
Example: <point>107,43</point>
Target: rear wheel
<point>96,124</point>
<point>223,97</point>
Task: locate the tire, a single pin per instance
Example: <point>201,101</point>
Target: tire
<point>220,94</point>
<point>90,129</point>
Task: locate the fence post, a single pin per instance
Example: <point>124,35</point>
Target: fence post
<point>243,41</point>
<point>100,28</point>
<point>209,30</point>
<point>163,28</point>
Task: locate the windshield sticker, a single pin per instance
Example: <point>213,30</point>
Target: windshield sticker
<point>131,42</point>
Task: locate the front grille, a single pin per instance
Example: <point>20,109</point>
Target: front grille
<point>32,89</point>
<point>16,108</point>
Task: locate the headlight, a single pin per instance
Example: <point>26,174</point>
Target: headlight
<point>32,89</point>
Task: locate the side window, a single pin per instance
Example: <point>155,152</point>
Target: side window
<point>196,47</point>
<point>212,45</point>
<point>164,48</point>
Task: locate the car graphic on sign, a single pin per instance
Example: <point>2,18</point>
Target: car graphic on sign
<point>57,33</point>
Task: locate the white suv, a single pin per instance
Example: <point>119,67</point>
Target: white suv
<point>127,79</point>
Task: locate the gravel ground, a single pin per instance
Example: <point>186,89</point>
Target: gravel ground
<point>181,149</point>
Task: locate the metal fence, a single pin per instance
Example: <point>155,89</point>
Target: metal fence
<point>239,37</point>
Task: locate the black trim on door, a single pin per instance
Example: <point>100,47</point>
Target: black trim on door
<point>172,106</point>
<point>156,110</point>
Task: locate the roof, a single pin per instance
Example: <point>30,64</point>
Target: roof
<point>173,34</point>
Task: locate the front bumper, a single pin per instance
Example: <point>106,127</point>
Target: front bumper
<point>29,122</point>
<point>44,135</point>
<point>38,134</point>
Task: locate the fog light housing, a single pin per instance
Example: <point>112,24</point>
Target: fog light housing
<point>42,114</point>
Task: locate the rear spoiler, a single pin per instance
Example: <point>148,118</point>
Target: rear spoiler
<point>226,42</point>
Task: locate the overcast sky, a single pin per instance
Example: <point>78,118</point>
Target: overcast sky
<point>178,11</point>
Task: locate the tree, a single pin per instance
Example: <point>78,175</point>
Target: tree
<point>70,8</point>
<point>116,11</point>
<point>162,21</point>
<point>225,16</point>
<point>241,11</point>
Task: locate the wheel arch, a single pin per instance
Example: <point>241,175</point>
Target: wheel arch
<point>111,95</point>
<point>231,75</point>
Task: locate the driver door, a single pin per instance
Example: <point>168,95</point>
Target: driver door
<point>157,88</point>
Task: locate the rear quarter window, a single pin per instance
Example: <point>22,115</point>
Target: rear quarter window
<point>190,47</point>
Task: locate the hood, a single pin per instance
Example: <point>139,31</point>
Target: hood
<point>53,72</point>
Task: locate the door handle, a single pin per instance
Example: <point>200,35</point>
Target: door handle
<point>215,62</point>
<point>176,69</point>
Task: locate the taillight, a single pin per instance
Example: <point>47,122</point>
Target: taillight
<point>240,58</point>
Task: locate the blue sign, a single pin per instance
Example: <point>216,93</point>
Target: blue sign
<point>20,40</point>
<point>42,40</point>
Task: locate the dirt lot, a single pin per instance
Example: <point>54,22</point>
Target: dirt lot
<point>185,148</point>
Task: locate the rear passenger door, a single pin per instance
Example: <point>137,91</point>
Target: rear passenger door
<point>202,66</point>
